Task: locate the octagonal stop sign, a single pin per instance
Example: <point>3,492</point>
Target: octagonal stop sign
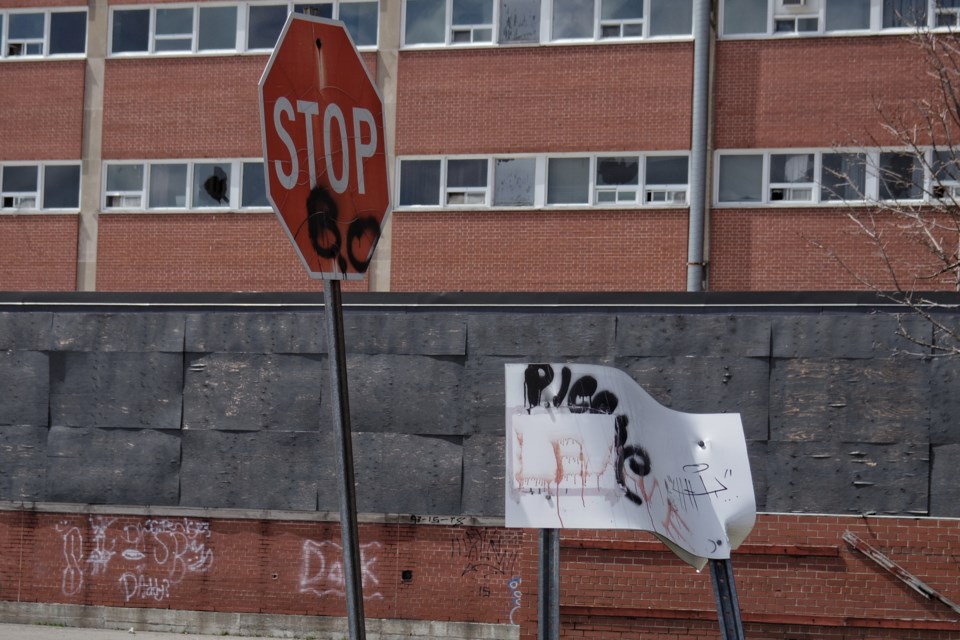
<point>325,163</point>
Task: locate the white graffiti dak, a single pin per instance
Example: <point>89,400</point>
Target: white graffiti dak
<point>588,448</point>
<point>321,569</point>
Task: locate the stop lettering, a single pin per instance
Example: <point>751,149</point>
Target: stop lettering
<point>323,143</point>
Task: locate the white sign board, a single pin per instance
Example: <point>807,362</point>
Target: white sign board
<point>588,448</point>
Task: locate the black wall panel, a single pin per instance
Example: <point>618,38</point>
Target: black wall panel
<point>230,407</point>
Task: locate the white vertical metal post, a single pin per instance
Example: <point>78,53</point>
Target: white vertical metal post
<point>340,405</point>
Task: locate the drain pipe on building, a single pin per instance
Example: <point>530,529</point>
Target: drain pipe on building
<point>699,141</point>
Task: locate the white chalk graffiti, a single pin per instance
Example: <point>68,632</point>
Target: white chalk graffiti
<point>155,555</point>
<point>515,595</point>
<point>321,571</point>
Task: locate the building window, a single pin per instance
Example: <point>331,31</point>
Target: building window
<point>36,187</point>
<point>42,33</point>
<point>460,22</point>
<point>901,176</point>
<point>448,21</point>
<point>829,177</point>
<point>782,17</point>
<point>538,181</point>
<point>201,28</point>
<point>184,185</point>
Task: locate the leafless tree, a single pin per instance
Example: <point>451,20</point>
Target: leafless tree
<point>912,217</point>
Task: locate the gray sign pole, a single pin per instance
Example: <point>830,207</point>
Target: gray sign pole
<point>340,405</point>
<point>728,606</point>
<point>548,602</point>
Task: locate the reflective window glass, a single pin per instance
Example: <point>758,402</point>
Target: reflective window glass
<point>741,178</point>
<point>666,170</point>
<point>68,32</point>
<point>211,184</point>
<point>254,188</point>
<point>318,9</point>
<point>514,182</point>
<point>264,25</point>
<point>173,30</point>
<point>20,178</point>
<point>25,26</point>
<point>361,20</point>
<point>424,21</point>
<point>901,176</point>
<point>904,13</point>
<point>125,177</point>
<point>168,186</point>
<point>572,19</point>
<point>419,182</point>
<point>671,17</point>
<point>568,180</point>
<point>218,28</point>
<point>61,187</point>
<point>847,15</point>
<point>131,30</point>
<point>744,16</point>
<point>791,167</point>
<point>843,176</point>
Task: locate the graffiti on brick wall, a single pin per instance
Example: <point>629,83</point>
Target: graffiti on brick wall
<point>151,556</point>
<point>516,595</point>
<point>484,552</point>
<point>321,569</point>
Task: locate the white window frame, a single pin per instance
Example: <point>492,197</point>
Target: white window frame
<point>817,8</point>
<point>43,41</point>
<point>871,187</point>
<point>37,197</point>
<point>678,194</point>
<point>240,37</point>
<point>234,202</point>
<point>450,29</point>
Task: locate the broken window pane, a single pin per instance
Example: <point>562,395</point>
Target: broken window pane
<point>61,186</point>
<point>361,20</point>
<point>68,32</point>
<point>211,184</point>
<point>419,182</point>
<point>519,21</point>
<point>168,186</point>
<point>131,30</point>
<point>568,180</point>
<point>572,19</point>
<point>218,28</point>
<point>514,182</point>
<point>425,21</point>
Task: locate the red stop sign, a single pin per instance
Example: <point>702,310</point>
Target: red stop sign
<point>324,149</point>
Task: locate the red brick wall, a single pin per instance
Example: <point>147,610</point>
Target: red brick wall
<point>33,4</point>
<point>539,250</point>
<point>795,576</point>
<point>42,107</point>
<point>813,92</point>
<point>38,252</point>
<point>200,252</point>
<point>588,98</point>
<point>775,249</point>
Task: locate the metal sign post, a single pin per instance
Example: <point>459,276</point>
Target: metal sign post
<point>548,601</point>
<point>728,607</point>
<point>340,405</point>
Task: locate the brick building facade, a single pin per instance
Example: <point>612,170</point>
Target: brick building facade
<point>551,94</point>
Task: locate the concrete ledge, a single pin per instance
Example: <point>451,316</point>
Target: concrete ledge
<point>244,624</point>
